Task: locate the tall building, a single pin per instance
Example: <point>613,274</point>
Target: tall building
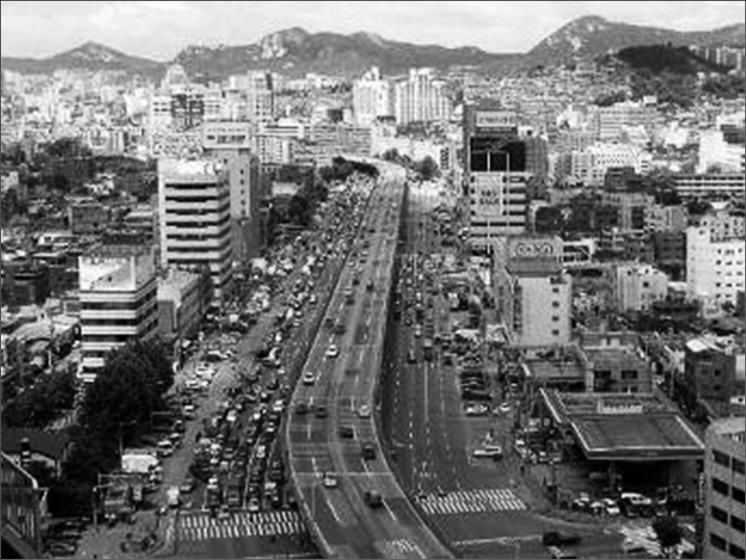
<point>533,295</point>
<point>118,288</point>
<point>194,211</point>
<point>724,489</point>
<point>496,176</point>
<point>715,255</point>
<point>187,106</point>
<point>260,97</point>
<point>230,142</point>
<point>371,98</point>
<point>420,98</point>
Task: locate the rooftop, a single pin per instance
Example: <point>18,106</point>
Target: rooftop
<point>624,427</point>
<point>734,427</point>
<point>50,444</point>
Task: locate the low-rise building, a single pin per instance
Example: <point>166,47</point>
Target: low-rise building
<point>725,489</point>
<point>183,299</point>
<point>638,286</point>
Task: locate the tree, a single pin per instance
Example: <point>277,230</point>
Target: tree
<point>427,168</point>
<point>668,531</point>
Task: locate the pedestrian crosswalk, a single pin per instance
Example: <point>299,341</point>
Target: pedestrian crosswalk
<point>400,548</point>
<point>471,501</point>
<point>201,526</point>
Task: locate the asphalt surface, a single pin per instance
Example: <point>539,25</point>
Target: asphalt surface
<point>476,506</point>
<point>343,523</point>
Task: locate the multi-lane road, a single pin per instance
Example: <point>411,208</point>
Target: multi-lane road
<point>330,439</point>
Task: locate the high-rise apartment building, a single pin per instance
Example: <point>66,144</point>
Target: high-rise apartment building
<point>194,210</point>
<point>118,288</point>
<point>260,97</point>
<point>638,286</point>
<point>725,489</point>
<point>421,98</point>
<point>230,143</point>
<point>371,98</point>
<point>495,177</point>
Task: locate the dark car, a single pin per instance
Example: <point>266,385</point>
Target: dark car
<point>320,411</point>
<point>559,538</point>
<point>301,408</point>
<point>368,451</point>
<point>373,499</point>
<point>346,432</point>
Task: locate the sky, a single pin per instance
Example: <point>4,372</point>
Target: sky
<point>160,29</point>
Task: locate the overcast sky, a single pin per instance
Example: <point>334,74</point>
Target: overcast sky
<point>160,29</point>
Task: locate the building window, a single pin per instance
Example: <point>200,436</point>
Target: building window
<point>721,458</point>
<point>629,374</point>
<point>738,494</point>
<point>717,541</point>
<point>555,332</point>
<point>555,290</point>
<point>719,486</point>
<point>555,304</point>
<point>719,514</point>
<point>737,523</point>
<point>738,466</point>
<point>736,551</point>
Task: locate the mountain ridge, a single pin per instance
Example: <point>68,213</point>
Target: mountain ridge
<point>295,51</point>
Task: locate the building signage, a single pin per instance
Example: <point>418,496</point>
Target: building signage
<point>496,119</point>
<point>534,248</point>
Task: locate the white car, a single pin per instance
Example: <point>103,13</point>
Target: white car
<point>309,378</point>
<point>364,411</point>
<point>332,351</point>
<point>254,505</point>
<point>330,480</point>
<point>475,410</point>
<point>611,507</point>
<point>204,371</point>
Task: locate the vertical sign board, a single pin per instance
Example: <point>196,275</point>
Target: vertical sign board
<point>488,194</point>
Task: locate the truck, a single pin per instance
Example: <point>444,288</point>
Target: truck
<point>233,492</point>
<point>173,496</point>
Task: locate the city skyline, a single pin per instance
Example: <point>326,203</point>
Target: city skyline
<point>159,30</point>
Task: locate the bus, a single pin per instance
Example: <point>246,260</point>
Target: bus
<point>427,348</point>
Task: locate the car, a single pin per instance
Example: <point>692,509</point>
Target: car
<point>301,408</point>
<point>373,499</point>
<point>411,357</point>
<point>474,409</point>
<point>368,451</point>
<point>254,505</point>
<point>187,486</point>
<point>364,411</point>
<point>611,507</point>
<point>309,378</point>
<point>505,408</point>
<point>346,432</point>
<point>556,552</point>
<point>320,411</point>
<point>332,351</point>
<point>205,371</point>
<point>330,480</point>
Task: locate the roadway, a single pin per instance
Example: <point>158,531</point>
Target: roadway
<point>343,523</point>
<point>476,506</point>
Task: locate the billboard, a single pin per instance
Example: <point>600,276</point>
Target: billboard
<point>496,119</point>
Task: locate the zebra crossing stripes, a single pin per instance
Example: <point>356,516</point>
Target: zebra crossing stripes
<point>400,548</point>
<point>472,501</point>
<point>240,524</point>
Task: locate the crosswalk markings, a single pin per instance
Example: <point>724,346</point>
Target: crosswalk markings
<point>240,524</point>
<point>399,548</point>
<point>472,501</point>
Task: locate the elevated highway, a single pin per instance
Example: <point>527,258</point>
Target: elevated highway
<point>329,437</point>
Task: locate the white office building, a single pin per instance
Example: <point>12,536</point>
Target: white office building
<point>372,97</point>
<point>194,210</point>
<point>714,265</point>
<point>421,98</point>
<point>118,301</point>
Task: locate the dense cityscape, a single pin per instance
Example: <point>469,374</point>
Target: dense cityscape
<point>337,296</point>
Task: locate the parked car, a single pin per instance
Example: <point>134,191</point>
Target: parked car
<point>559,538</point>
